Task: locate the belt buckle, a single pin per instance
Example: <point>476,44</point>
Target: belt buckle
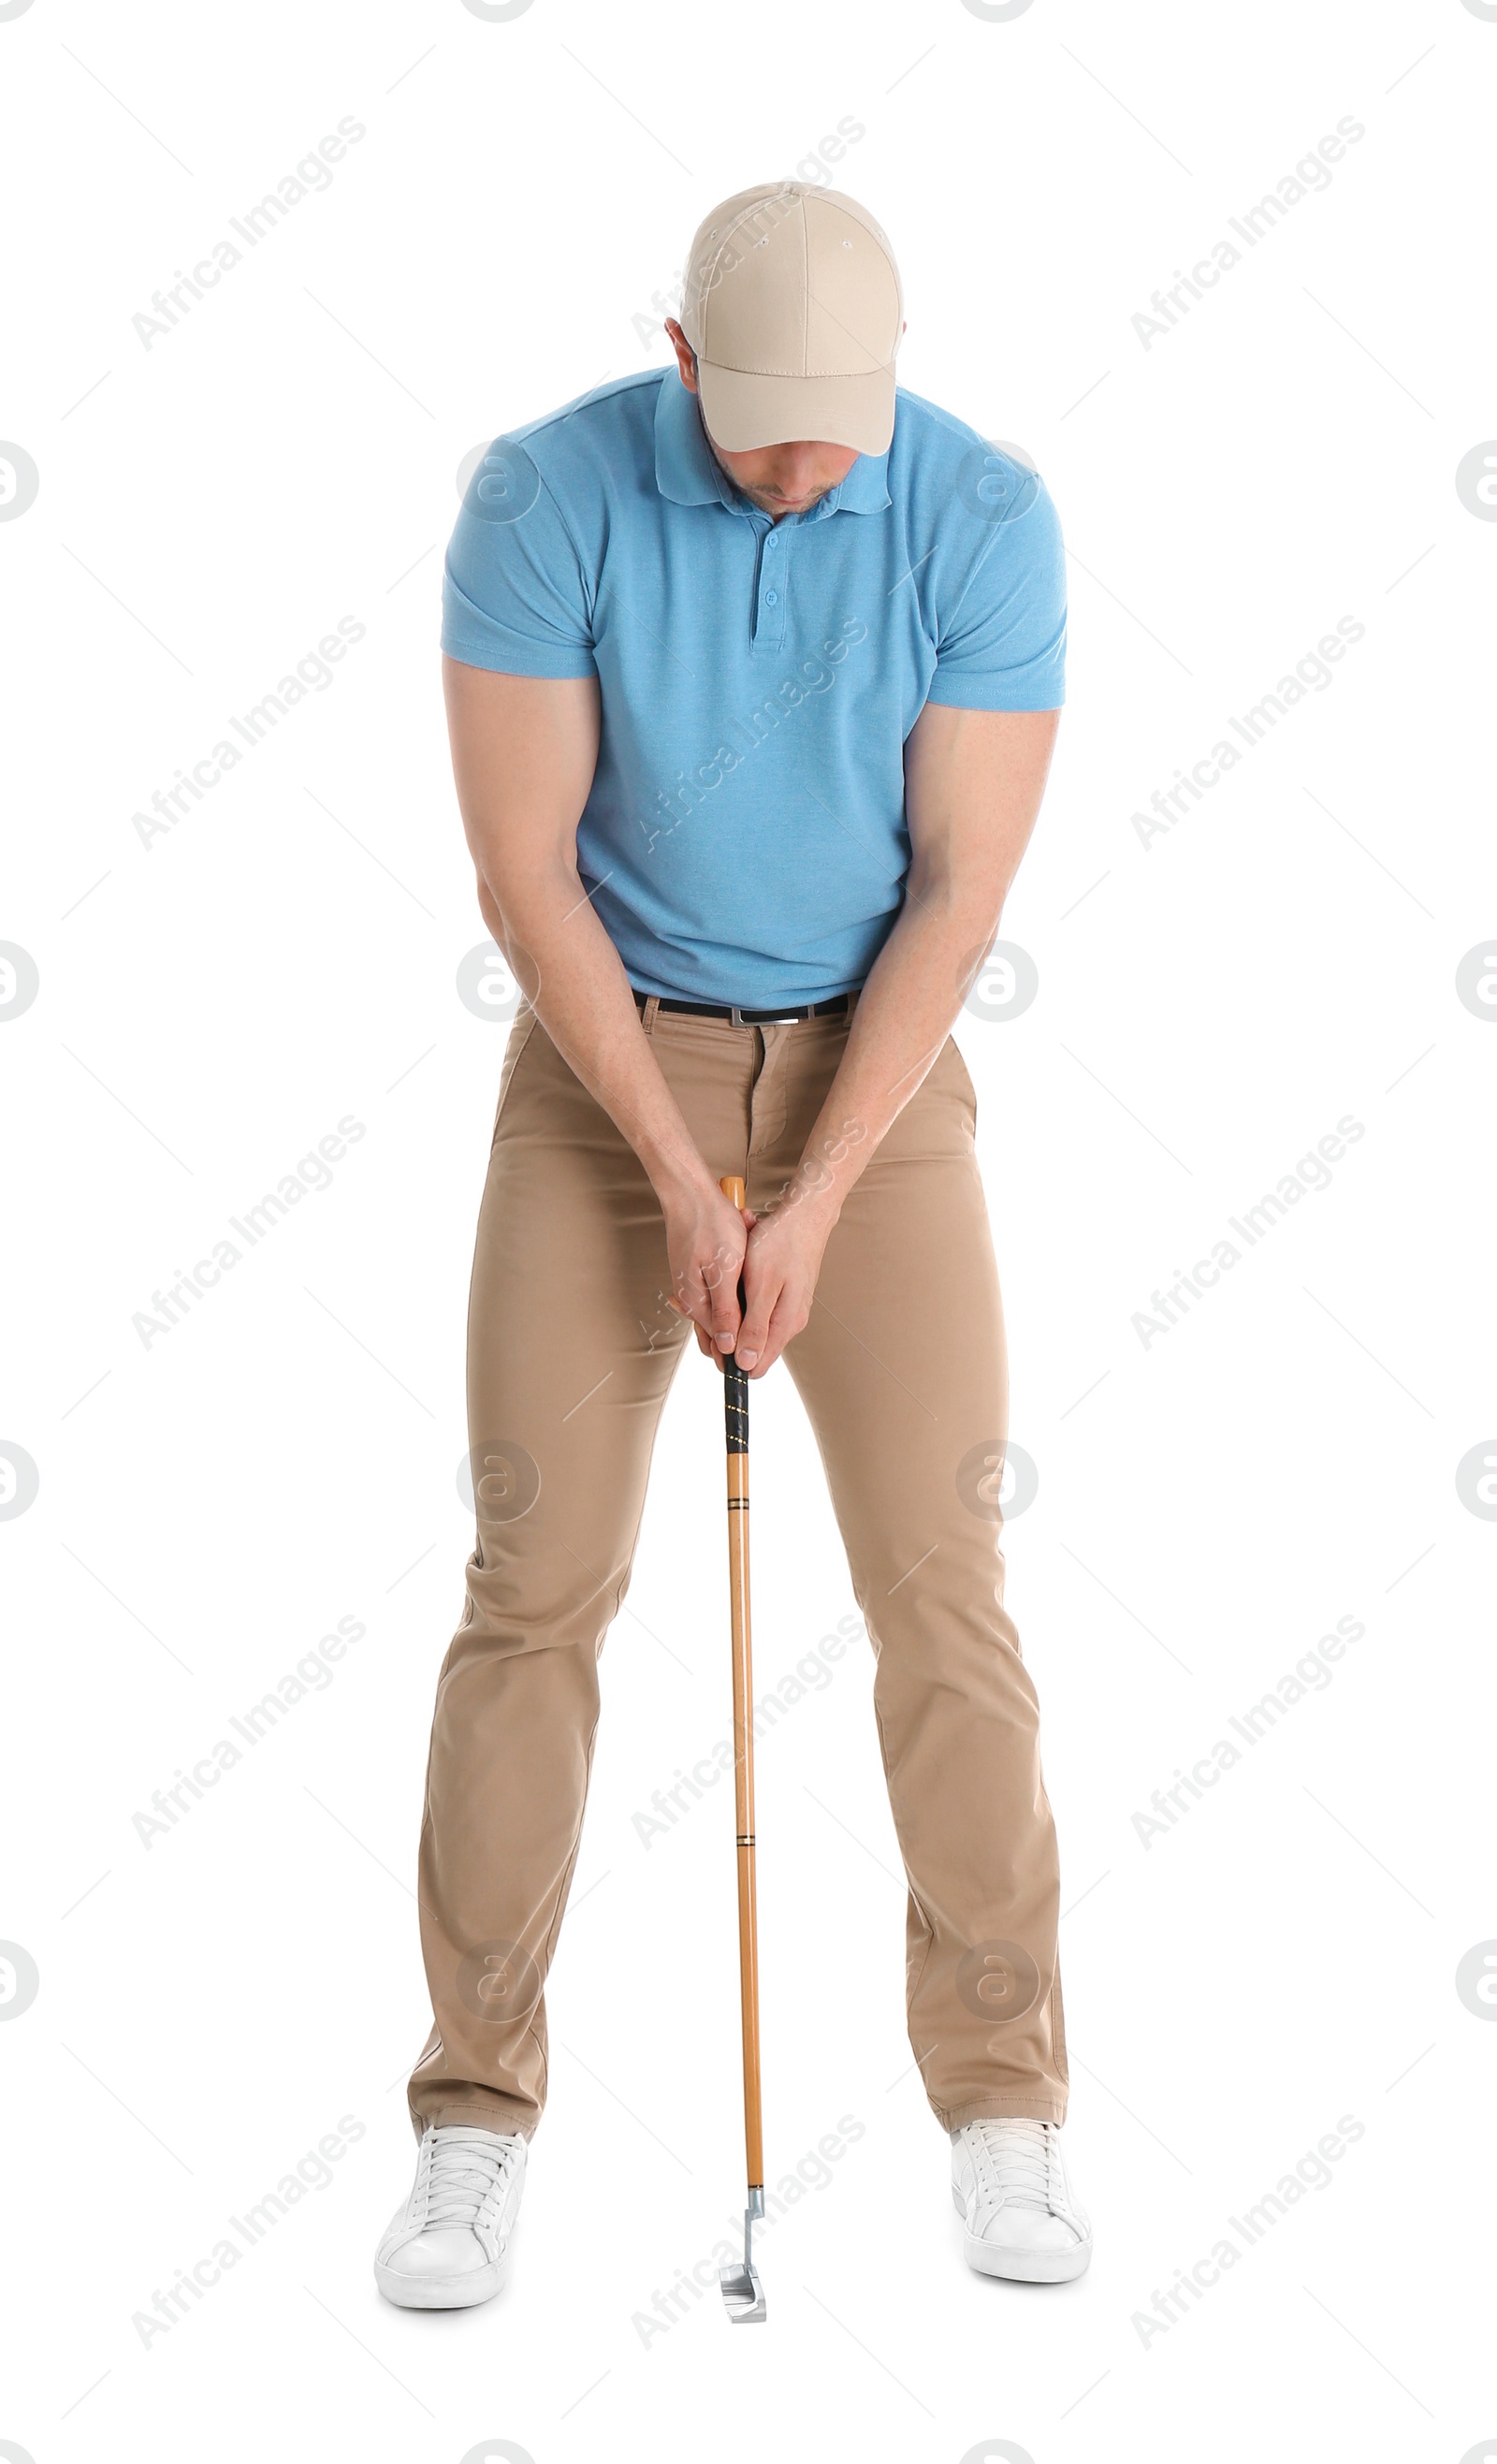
<point>789,1017</point>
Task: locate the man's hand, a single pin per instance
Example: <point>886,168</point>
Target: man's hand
<point>779,1271</point>
<point>778,1257</point>
<point>706,1237</point>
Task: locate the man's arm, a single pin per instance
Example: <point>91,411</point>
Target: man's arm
<point>973,785</point>
<point>524,750</point>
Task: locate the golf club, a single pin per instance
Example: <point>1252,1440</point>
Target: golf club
<point>742,2293</point>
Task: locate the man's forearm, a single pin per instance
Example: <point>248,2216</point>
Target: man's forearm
<point>571,974</point>
<point>902,1020</point>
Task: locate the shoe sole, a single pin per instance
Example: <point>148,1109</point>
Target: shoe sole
<point>442,2292</point>
<point>1022,2266</point>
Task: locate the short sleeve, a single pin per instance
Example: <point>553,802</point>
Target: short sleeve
<point>514,597</point>
<point>1002,645</point>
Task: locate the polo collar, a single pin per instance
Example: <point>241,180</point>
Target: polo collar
<point>687,470</point>
<point>866,488</point>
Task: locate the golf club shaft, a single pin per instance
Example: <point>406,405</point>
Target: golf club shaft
<point>735,1422</point>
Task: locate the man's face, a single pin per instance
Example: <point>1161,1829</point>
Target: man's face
<point>778,478</point>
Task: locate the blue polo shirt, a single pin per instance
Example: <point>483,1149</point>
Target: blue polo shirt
<point>744,838</point>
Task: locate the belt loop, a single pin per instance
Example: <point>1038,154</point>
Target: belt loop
<point>649,1013</point>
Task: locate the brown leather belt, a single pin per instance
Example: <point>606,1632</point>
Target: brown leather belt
<point>835,1008</point>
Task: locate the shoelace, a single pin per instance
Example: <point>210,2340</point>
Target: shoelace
<point>468,2169</point>
<point>1019,2158</point>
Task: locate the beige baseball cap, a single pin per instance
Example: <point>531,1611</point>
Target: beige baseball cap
<point>793,305</point>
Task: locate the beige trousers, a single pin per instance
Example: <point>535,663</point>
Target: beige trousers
<point>903,1371</point>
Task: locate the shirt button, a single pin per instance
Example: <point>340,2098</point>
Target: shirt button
<point>771,598</point>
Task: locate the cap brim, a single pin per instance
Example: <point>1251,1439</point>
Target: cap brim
<point>744,411</point>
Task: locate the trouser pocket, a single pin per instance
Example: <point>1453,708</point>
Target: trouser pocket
<point>523,1028</point>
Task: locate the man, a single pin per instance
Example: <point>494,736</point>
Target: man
<point>752,673</point>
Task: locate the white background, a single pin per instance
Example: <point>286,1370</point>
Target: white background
<point>1210,1005</point>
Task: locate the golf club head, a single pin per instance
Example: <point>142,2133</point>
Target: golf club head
<point>742,2293</point>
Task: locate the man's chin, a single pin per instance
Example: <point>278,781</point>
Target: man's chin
<point>768,504</point>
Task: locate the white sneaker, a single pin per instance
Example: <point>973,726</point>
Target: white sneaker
<point>1019,2217</point>
<point>449,2246</point>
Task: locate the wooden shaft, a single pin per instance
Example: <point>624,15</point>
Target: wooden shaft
<point>736,1421</point>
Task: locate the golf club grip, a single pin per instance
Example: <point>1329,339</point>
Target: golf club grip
<point>735,1400</point>
<point>736,1430</point>
<point>734,1405</point>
